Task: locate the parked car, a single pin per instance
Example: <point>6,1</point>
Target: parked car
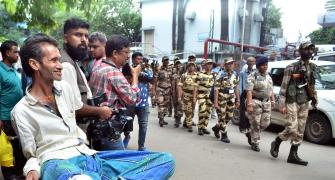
<point>325,56</point>
<point>320,125</point>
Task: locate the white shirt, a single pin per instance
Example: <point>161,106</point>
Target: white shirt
<point>69,75</point>
<point>43,134</point>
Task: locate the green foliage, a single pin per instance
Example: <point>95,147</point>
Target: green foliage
<point>9,29</point>
<point>116,17</point>
<point>274,16</point>
<point>41,13</point>
<point>48,16</point>
<point>323,36</point>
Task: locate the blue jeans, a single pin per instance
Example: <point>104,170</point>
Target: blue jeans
<point>107,165</point>
<point>111,145</point>
<point>142,116</point>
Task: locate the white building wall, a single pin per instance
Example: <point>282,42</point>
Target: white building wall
<point>157,15</point>
<point>234,20</point>
<point>256,25</point>
<point>196,31</point>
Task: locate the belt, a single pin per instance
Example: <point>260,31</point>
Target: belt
<point>225,91</point>
<point>261,99</point>
<point>203,92</point>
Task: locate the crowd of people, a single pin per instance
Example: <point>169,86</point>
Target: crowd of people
<point>71,113</point>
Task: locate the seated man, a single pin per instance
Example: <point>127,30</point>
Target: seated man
<point>52,142</point>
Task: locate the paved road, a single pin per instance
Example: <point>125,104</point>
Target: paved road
<point>207,158</point>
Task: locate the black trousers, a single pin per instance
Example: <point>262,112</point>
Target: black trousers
<point>19,159</point>
<point>244,121</point>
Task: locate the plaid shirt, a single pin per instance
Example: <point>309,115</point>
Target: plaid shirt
<point>107,78</point>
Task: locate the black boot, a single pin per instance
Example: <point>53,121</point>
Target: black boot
<point>249,137</point>
<point>275,147</point>
<point>255,147</point>
<point>161,122</point>
<point>189,129</point>
<point>205,131</point>
<point>224,138</point>
<point>294,158</point>
<point>216,131</point>
<point>165,123</point>
<point>193,124</point>
<point>200,132</point>
<point>177,122</point>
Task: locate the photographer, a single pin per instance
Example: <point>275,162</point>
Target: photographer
<point>142,108</point>
<point>107,78</point>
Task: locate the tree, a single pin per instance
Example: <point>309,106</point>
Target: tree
<point>116,17</point>
<point>273,16</point>
<point>10,30</point>
<point>108,16</point>
<point>323,36</point>
<point>41,13</point>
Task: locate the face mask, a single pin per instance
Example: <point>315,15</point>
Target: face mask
<point>79,53</point>
<point>305,55</point>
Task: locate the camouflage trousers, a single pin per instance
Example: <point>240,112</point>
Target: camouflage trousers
<point>153,100</point>
<point>188,108</point>
<point>178,111</point>
<point>225,112</point>
<point>205,106</point>
<point>296,121</point>
<point>163,100</point>
<point>170,106</point>
<point>259,119</point>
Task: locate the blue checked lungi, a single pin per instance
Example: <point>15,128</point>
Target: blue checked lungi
<point>112,165</point>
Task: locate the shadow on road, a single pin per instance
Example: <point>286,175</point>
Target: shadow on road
<point>277,129</point>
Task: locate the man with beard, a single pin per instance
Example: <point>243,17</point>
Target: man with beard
<point>10,94</point>
<point>76,50</point>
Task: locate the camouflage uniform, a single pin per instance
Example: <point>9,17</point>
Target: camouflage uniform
<point>204,83</point>
<point>297,89</point>
<point>164,77</point>
<point>178,110</point>
<point>187,83</point>
<point>261,86</point>
<point>296,101</point>
<point>226,86</point>
<point>170,105</point>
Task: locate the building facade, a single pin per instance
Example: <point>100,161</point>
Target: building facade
<point>177,26</point>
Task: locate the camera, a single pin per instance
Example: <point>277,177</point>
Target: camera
<point>110,128</point>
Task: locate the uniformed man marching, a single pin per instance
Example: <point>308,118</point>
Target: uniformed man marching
<point>260,100</point>
<point>297,89</point>
<point>226,98</point>
<point>186,88</point>
<point>163,89</point>
<point>203,84</point>
<point>177,105</point>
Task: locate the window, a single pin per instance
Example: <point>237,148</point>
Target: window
<point>327,58</point>
<point>277,76</point>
